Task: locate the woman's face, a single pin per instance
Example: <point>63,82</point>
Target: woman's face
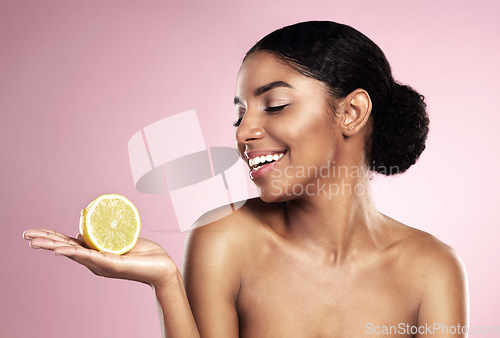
<point>283,118</point>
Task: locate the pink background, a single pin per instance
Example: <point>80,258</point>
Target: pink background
<point>79,78</point>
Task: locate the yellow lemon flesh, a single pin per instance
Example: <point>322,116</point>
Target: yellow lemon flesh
<point>110,223</point>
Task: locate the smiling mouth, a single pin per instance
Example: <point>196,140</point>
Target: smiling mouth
<point>259,161</point>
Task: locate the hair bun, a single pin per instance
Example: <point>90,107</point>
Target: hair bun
<point>399,132</point>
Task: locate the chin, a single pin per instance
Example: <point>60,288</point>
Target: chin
<point>277,190</point>
<point>272,197</point>
<point>268,199</point>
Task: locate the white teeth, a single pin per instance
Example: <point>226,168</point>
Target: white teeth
<point>264,158</point>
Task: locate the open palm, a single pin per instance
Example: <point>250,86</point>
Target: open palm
<point>147,262</point>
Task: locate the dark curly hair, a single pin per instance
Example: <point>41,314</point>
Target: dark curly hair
<point>345,59</point>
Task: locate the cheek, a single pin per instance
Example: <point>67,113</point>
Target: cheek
<point>313,127</point>
<point>316,140</point>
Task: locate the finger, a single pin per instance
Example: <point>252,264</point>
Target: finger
<point>90,256</point>
<point>57,234</point>
<point>101,263</point>
<point>34,233</point>
<point>76,253</point>
<point>49,243</point>
<point>26,234</point>
<point>83,256</point>
<point>50,234</point>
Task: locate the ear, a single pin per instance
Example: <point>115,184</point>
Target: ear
<point>357,109</point>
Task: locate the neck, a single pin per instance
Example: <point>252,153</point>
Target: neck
<point>337,221</point>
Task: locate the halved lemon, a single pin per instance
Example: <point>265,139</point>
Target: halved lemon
<point>110,223</point>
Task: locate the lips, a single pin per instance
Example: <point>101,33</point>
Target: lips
<point>261,161</point>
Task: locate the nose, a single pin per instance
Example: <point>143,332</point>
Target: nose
<point>250,129</point>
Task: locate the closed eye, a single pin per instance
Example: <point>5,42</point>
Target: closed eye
<point>276,108</point>
<point>268,109</point>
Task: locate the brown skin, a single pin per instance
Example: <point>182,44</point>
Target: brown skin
<point>316,264</point>
<point>246,276</point>
<point>313,264</point>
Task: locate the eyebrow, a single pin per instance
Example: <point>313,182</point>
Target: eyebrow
<point>265,88</point>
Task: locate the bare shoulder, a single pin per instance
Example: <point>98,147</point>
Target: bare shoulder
<point>229,234</point>
<point>431,262</point>
<point>436,276</point>
<point>429,252</point>
<point>226,223</point>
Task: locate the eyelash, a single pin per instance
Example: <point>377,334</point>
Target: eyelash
<point>275,109</point>
<point>268,109</point>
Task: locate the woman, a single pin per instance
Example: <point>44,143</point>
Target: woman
<point>318,110</point>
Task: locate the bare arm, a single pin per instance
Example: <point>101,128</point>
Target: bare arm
<point>212,279</point>
<point>444,306</point>
<point>175,310</point>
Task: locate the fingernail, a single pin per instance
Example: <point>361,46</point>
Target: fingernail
<point>26,237</point>
<point>34,246</point>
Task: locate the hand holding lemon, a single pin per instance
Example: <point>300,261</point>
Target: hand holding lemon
<point>109,227</point>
